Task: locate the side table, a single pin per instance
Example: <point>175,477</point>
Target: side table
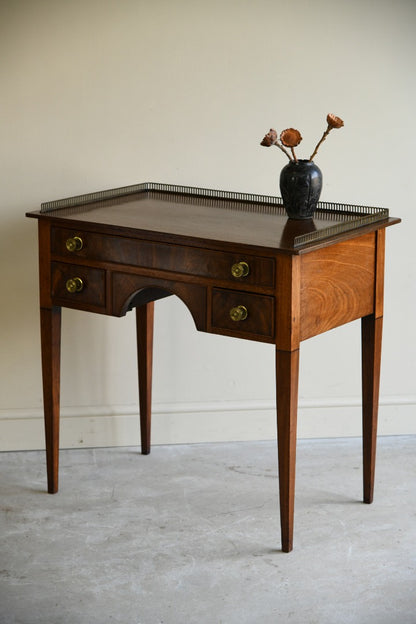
<point>241,267</point>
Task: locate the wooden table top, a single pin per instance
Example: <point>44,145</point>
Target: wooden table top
<point>166,214</point>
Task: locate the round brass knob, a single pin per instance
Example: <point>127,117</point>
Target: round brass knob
<point>239,313</point>
<point>240,269</point>
<point>74,285</point>
<point>74,244</point>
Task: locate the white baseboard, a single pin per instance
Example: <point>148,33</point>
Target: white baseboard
<point>201,422</point>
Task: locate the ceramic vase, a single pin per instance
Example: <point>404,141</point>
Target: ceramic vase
<point>300,187</point>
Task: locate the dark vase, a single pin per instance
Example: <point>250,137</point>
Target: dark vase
<point>300,186</point>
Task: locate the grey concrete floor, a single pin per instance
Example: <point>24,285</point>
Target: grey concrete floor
<point>190,534</point>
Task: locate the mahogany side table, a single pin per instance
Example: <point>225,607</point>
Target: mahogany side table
<point>243,270</point>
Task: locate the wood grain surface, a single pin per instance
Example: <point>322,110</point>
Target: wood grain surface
<point>337,285</point>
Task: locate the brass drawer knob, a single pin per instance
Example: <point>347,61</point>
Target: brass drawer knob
<point>74,244</point>
<point>239,313</point>
<point>240,269</point>
<point>74,285</point>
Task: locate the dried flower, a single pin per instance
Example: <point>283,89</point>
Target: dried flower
<point>290,137</point>
<point>270,138</point>
<point>334,121</point>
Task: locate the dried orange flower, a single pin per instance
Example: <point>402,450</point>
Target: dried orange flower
<point>290,137</point>
<point>333,121</point>
<point>270,138</point>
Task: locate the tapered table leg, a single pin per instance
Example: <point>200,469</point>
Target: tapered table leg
<point>371,335</point>
<point>287,374</point>
<point>50,328</point>
<point>144,325</point>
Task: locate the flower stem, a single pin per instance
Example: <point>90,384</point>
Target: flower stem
<point>325,134</point>
<point>283,149</point>
<point>293,154</point>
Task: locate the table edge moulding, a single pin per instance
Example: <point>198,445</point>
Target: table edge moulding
<point>241,267</point>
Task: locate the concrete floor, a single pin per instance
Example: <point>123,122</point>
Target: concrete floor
<point>190,534</point>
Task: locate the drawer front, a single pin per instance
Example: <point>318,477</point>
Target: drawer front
<point>224,266</point>
<point>76,285</point>
<point>241,312</point>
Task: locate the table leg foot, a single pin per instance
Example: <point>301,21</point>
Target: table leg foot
<point>371,335</point>
<point>50,329</point>
<point>287,374</point>
<point>144,327</point>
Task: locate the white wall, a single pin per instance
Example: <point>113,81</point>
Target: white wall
<point>103,93</point>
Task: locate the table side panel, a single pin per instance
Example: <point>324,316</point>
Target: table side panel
<point>337,285</point>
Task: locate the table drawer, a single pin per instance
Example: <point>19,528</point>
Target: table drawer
<point>225,266</point>
<point>242,312</point>
<point>77,285</point>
